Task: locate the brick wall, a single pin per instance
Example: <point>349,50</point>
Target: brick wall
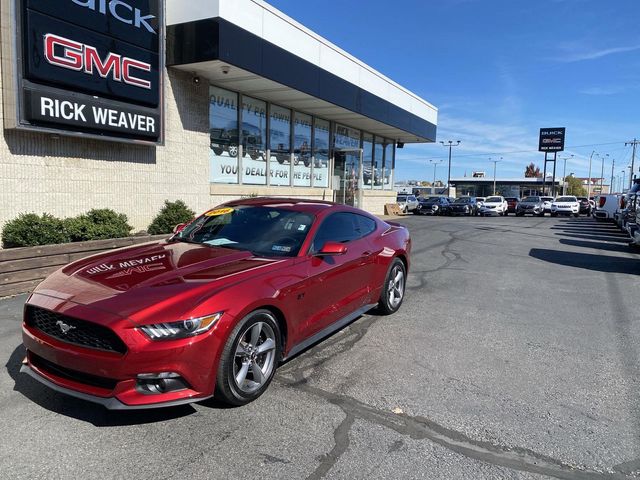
<point>66,176</point>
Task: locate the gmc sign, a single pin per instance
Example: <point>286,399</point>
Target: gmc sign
<point>90,67</point>
<point>551,139</point>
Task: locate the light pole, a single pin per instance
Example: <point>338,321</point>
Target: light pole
<point>571,190</point>
<point>613,164</point>
<point>589,181</point>
<point>602,175</point>
<point>450,144</point>
<point>435,164</point>
<point>495,164</point>
<point>564,174</point>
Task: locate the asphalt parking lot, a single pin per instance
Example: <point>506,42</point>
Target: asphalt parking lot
<point>516,355</point>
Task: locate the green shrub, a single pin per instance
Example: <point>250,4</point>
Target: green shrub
<point>98,224</point>
<point>30,230</point>
<point>172,214</point>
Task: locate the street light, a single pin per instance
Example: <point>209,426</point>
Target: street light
<point>435,164</point>
<point>495,163</point>
<point>564,174</point>
<point>602,175</point>
<point>589,181</point>
<point>449,144</point>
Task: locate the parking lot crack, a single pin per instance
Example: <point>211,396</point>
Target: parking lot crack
<point>341,445</point>
<point>421,428</point>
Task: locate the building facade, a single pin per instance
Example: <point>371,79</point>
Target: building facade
<point>507,187</point>
<point>252,103</point>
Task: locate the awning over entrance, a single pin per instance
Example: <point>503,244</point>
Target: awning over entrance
<point>252,48</point>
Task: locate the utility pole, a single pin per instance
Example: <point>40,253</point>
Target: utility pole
<point>589,181</point>
<point>602,175</point>
<point>613,165</point>
<point>449,144</point>
<point>633,159</point>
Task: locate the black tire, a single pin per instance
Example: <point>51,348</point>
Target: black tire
<point>227,389</point>
<point>232,149</point>
<point>384,304</point>
<point>217,150</point>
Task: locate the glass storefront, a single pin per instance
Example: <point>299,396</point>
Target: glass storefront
<point>243,129</point>
<point>254,141</point>
<point>223,132</point>
<point>280,146</point>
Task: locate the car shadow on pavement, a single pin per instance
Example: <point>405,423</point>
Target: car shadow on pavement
<point>609,247</point>
<point>602,238</point>
<point>80,409</point>
<point>589,261</point>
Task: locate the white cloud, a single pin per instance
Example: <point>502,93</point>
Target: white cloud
<point>574,55</point>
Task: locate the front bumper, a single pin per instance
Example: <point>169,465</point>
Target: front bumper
<point>491,211</point>
<point>110,378</point>
<point>529,211</point>
<point>565,210</point>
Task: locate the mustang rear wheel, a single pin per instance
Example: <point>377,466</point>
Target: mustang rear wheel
<point>249,359</point>
<point>393,288</point>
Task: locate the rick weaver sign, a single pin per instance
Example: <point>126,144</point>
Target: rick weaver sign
<point>90,67</point>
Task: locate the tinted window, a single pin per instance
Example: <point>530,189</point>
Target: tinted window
<point>340,227</point>
<point>366,225</point>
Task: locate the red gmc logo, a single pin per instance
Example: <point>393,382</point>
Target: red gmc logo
<point>72,55</point>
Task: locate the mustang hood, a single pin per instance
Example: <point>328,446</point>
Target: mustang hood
<point>157,276</point>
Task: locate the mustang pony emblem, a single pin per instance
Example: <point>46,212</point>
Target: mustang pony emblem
<point>64,327</point>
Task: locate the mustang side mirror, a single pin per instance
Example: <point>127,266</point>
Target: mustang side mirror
<point>178,228</point>
<point>330,249</point>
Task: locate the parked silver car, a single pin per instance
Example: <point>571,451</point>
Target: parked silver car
<point>407,203</point>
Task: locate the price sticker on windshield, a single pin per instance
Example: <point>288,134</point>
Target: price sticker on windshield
<point>219,211</point>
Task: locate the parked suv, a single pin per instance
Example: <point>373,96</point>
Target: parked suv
<point>585,205</point>
<point>531,206</point>
<point>464,206</point>
<point>512,205</point>
<point>494,206</point>
<point>434,206</point>
<point>407,203</point>
<point>547,203</point>
<point>567,205</point>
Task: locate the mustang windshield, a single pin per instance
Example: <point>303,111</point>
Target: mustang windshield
<point>264,230</point>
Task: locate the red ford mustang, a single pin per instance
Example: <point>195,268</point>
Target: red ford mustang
<point>215,308</point>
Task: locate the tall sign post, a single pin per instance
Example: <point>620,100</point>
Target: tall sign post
<point>551,141</point>
<point>90,68</point>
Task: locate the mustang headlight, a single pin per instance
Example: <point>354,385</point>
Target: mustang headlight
<point>181,329</point>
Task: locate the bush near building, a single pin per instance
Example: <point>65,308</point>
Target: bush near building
<point>172,214</point>
<point>31,230</point>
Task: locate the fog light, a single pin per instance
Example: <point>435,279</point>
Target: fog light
<point>159,383</point>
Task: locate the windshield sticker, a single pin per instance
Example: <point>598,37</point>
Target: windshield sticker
<point>281,248</point>
<point>219,211</point>
<point>302,228</point>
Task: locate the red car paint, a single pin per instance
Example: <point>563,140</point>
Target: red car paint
<point>162,282</point>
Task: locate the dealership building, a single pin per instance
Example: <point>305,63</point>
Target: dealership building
<point>127,103</point>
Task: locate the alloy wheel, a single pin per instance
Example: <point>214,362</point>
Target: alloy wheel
<point>396,287</point>
<point>254,358</point>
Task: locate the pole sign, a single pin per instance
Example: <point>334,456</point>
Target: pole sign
<point>89,67</point>
<point>551,139</point>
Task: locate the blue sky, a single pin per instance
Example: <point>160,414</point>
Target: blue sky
<point>498,71</point>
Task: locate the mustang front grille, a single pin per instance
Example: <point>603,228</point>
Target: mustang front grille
<point>74,331</point>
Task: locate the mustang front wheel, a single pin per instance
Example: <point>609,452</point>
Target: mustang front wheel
<point>393,288</point>
<point>249,359</point>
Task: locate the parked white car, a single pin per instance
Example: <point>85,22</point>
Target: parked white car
<point>606,207</point>
<point>567,205</point>
<point>494,206</point>
<point>407,203</point>
<point>547,201</point>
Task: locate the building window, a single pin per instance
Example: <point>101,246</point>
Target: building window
<point>223,133</point>
<point>280,146</point>
<point>302,149</point>
<point>388,165</point>
<point>368,173</point>
<point>347,165</point>
<point>254,141</point>
<point>378,163</point>
<point>321,129</point>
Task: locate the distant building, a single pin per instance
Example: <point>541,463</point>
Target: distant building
<point>507,187</point>
<point>598,185</point>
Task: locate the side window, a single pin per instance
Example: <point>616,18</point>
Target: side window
<point>340,227</point>
<point>365,225</point>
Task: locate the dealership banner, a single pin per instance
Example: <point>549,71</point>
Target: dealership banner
<point>87,67</point>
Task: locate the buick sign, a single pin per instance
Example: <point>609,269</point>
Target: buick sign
<point>551,139</point>
<point>90,67</point>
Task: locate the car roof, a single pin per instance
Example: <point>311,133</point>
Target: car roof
<point>299,204</point>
